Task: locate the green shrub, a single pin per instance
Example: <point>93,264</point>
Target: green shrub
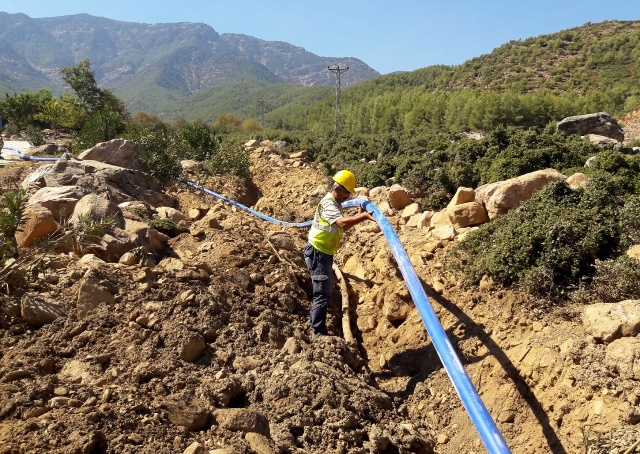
<point>230,161</point>
<point>90,230</point>
<point>514,152</point>
<point>11,129</point>
<point>168,227</point>
<point>630,220</point>
<point>162,152</point>
<point>550,244</point>
<point>35,136</point>
<point>101,126</point>
<point>616,279</point>
<point>12,205</point>
<point>371,174</point>
<point>201,144</point>
<point>625,170</point>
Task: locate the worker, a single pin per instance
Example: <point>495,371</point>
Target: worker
<point>324,239</point>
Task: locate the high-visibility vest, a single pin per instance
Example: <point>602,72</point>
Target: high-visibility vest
<point>322,235</point>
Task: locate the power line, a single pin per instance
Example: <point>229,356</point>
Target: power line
<point>338,70</point>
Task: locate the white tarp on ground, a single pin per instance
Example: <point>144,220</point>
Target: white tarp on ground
<point>20,145</point>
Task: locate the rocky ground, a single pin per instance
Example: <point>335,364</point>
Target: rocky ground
<point>206,348</point>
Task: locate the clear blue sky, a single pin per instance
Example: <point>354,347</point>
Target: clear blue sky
<point>399,35</point>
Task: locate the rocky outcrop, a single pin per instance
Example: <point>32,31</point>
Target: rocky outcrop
<point>623,356</point>
<point>73,189</point>
<point>503,196</point>
<point>600,123</point>
<point>60,200</point>
<point>464,210</point>
<point>39,224</point>
<point>117,152</point>
<point>93,176</point>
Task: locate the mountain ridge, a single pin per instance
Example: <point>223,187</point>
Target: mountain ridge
<point>175,59</point>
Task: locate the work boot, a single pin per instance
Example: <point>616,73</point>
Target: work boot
<point>319,336</point>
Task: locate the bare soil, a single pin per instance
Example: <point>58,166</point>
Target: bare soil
<point>115,381</point>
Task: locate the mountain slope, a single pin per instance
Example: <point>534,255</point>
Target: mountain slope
<point>585,69</point>
<point>151,66</point>
<point>578,59</point>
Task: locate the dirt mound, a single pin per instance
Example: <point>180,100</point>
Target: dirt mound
<point>210,350</point>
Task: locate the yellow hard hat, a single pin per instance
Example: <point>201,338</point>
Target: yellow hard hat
<point>346,179</point>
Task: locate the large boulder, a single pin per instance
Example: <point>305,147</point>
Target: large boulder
<point>36,310</point>
<point>507,195</point>
<point>242,420</point>
<point>398,197</point>
<point>60,200</point>
<point>467,214</point>
<point>462,195</point>
<point>623,356</point>
<point>98,208</point>
<point>117,152</point>
<point>600,123</point>
<point>39,224</point>
<point>90,295</point>
<point>607,322</point>
<point>93,176</point>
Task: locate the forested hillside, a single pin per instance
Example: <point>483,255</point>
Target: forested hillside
<point>523,83</point>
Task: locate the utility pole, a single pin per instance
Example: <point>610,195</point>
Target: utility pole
<point>338,70</point>
<point>262,103</point>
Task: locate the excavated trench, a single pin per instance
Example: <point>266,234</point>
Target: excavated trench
<point>208,349</point>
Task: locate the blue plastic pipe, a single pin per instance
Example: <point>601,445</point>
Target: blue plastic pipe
<point>243,207</point>
<point>489,433</point>
<point>480,417</point>
<point>28,158</point>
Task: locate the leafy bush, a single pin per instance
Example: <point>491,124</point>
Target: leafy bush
<point>101,126</point>
<point>518,151</point>
<point>550,244</point>
<point>19,111</point>
<point>630,220</point>
<point>34,136</point>
<point>616,279</point>
<point>625,170</point>
<point>12,205</point>
<point>202,145</point>
<point>233,161</point>
<point>432,186</point>
<point>168,227</point>
<point>162,151</point>
<point>90,230</point>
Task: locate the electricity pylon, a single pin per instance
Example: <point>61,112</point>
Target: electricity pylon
<point>338,70</point>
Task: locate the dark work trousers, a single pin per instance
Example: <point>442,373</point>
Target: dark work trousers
<point>320,266</point>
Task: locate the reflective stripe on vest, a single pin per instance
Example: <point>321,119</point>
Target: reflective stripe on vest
<point>326,228</point>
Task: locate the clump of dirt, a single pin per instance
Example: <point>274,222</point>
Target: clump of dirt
<point>210,349</point>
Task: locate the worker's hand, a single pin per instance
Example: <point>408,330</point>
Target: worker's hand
<point>369,214</point>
